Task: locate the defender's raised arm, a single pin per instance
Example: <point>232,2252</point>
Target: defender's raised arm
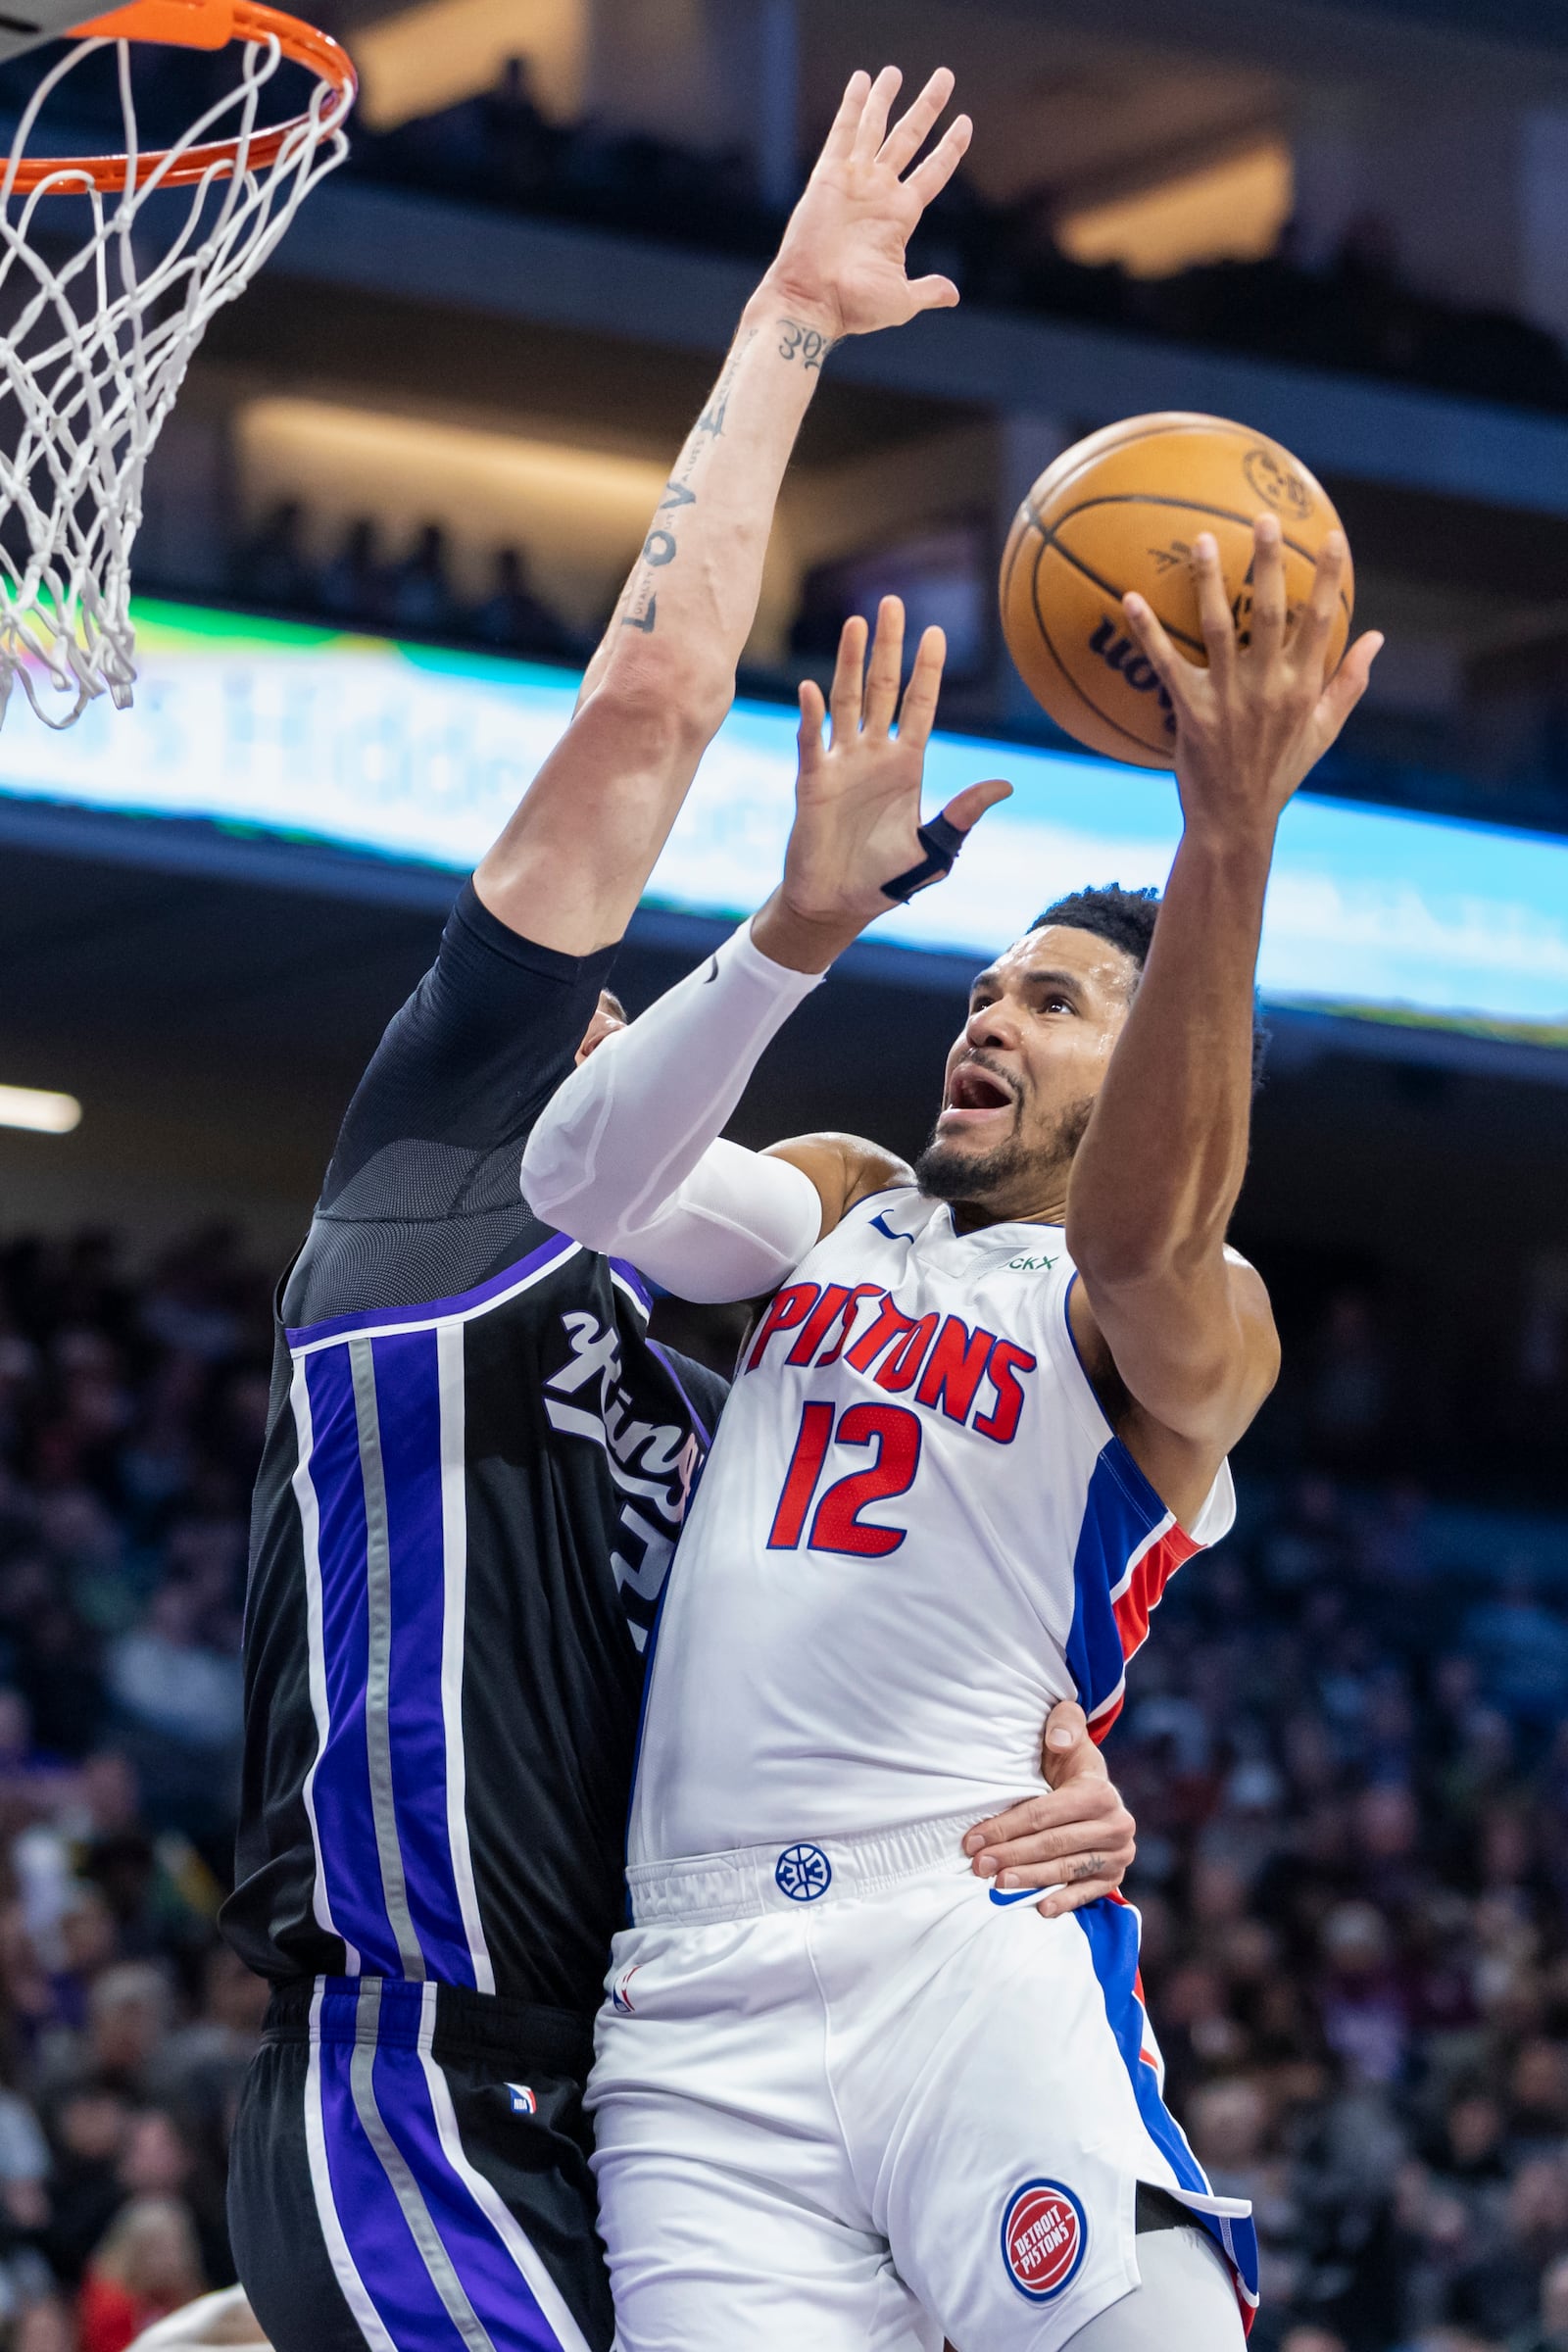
<point>571,864</point>
<point>626,1158</point>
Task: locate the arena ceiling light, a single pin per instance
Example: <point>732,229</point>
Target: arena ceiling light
<point>1233,208</point>
<point>40,1112</point>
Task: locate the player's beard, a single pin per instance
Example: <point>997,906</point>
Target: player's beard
<point>946,1172</point>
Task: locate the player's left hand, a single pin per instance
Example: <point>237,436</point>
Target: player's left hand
<point>1078,1839</point>
<point>1251,725</point>
<point>858,797</point>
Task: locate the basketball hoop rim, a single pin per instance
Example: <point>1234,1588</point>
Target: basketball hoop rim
<point>301,44</point>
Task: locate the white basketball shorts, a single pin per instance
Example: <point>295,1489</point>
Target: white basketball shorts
<point>847,2096</point>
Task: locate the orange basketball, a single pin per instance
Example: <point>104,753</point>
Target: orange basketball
<point>1121,510</point>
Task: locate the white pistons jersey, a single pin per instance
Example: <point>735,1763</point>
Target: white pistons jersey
<point>915,1532</point>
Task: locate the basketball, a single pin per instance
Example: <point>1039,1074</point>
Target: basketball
<point>1120,510</point>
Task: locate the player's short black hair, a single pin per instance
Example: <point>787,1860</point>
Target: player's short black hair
<point>1127,918</point>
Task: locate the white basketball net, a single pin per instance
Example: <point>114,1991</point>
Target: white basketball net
<point>95,348</point>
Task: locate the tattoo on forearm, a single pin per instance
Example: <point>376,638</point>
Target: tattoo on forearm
<point>811,346</point>
<point>712,421</point>
<point>640,608</point>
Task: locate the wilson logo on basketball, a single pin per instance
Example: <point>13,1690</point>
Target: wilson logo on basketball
<point>1119,653</point>
<point>1043,2238</point>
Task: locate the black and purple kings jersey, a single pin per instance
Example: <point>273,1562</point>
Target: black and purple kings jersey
<point>477,1467</point>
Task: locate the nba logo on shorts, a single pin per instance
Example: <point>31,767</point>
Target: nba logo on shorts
<point>1044,2235</point>
<point>524,2101</point>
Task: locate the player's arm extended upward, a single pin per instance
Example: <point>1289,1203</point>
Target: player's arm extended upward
<point>571,864</point>
<point>1185,1324</point>
<point>628,1157</point>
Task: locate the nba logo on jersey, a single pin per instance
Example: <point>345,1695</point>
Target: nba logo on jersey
<point>1044,2237</point>
<point>523,2099</point>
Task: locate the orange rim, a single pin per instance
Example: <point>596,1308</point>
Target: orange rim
<point>243,20</point>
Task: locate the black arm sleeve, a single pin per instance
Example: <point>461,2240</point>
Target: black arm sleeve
<point>478,1048</point>
<point>423,1195</point>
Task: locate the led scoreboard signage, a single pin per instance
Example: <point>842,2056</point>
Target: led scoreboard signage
<point>408,753</point>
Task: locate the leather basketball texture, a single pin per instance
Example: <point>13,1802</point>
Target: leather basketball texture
<point>1121,510</point>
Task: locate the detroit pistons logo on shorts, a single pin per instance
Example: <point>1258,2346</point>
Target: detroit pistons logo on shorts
<point>1043,2237</point>
<point>802,1873</point>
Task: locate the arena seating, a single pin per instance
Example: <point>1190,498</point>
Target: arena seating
<point>1343,1749</point>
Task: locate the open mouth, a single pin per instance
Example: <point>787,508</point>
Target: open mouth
<point>975,1093</point>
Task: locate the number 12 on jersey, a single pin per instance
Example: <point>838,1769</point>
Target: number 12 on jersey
<point>836,1526</point>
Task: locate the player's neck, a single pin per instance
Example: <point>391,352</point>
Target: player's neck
<point>974,1216</point>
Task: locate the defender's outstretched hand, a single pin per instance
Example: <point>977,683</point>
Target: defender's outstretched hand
<point>842,258</point>
<point>857,827</point>
<point>1252,724</point>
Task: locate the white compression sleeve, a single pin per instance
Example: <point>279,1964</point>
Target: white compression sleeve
<point>626,1155</point>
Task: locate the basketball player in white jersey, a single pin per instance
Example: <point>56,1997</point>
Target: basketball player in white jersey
<point>847,2096</point>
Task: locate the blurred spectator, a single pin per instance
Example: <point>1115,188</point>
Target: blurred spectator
<point>419,595</point>
<point>129,2009</point>
<point>351,586</point>
<point>162,1677</point>
<point>47,2325</point>
<point>1551,2333</point>
<point>23,2166</point>
<point>513,618</point>
<point>271,567</point>
<point>146,2266</point>
<point>1499,2292</point>
<point>90,2127</point>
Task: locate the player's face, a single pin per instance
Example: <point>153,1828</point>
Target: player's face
<point>1023,1074</point>
<point>609,1014</point>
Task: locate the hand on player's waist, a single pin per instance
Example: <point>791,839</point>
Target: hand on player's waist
<point>1075,1838</point>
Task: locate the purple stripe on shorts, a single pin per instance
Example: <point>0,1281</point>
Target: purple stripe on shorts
<point>490,2279</point>
<point>395,2273</point>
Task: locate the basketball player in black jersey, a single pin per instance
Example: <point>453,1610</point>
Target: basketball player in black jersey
<point>476,1465</point>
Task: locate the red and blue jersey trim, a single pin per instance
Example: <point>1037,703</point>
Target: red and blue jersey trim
<point>1111,1928</point>
<point>1129,1547</point>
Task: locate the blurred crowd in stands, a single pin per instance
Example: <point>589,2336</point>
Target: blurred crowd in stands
<point>1347,1762</point>
<point>131,1418</point>
<point>408,594</point>
<point>501,148</point>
